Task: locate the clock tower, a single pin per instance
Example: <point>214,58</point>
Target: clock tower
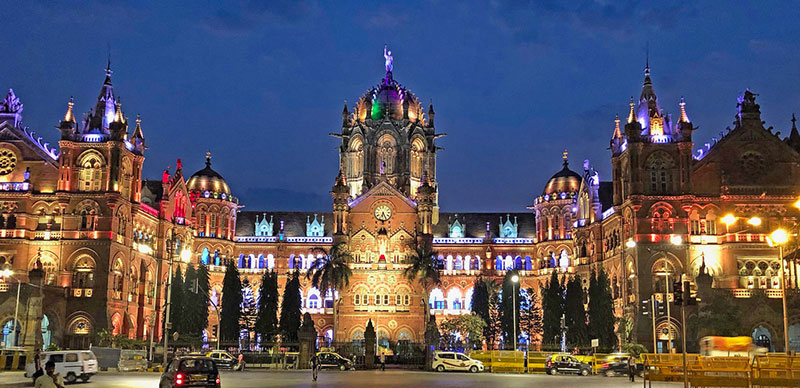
<point>384,200</point>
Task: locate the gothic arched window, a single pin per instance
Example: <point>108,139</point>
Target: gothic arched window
<point>659,167</point>
<point>91,172</point>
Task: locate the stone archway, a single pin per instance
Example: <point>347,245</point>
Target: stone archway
<point>763,337</point>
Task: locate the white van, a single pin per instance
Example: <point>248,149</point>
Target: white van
<point>444,361</point>
<point>70,364</point>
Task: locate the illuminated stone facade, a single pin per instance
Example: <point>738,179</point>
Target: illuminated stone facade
<point>82,213</point>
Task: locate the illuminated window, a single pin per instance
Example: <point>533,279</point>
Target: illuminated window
<point>91,171</point>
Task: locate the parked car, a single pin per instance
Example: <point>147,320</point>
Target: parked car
<point>617,364</point>
<point>334,360</point>
<point>445,361</point>
<point>190,371</point>
<point>72,364</point>
<point>223,359</point>
<point>566,363</point>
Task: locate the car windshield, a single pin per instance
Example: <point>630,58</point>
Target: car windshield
<point>197,365</point>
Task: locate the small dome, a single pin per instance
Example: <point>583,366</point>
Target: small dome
<point>208,180</point>
<point>563,181</point>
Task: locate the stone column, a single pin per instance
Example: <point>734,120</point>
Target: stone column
<point>369,346</point>
<point>307,336</point>
<point>31,336</point>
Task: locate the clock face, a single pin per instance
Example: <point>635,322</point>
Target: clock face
<point>383,212</point>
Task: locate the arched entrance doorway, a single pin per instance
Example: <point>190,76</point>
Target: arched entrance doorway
<point>763,338</point>
<point>10,334</point>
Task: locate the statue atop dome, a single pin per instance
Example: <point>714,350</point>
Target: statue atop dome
<point>387,54</point>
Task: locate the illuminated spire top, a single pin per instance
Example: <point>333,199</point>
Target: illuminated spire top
<point>118,118</point>
<point>564,156</point>
<point>684,117</point>
<point>69,116</point>
<point>389,60</point>
<point>108,71</point>
<point>617,131</point>
<point>632,114</point>
<point>648,93</point>
<point>138,136</point>
<point>208,159</point>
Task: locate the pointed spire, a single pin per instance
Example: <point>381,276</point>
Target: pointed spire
<point>648,93</point>
<point>632,114</point>
<point>118,118</point>
<point>108,70</point>
<point>69,116</point>
<point>617,131</point>
<point>564,156</point>
<point>684,116</point>
<point>794,136</point>
<point>431,114</point>
<point>208,159</point>
<point>138,135</point>
<point>340,179</point>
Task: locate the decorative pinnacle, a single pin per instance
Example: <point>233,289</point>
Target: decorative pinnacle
<point>684,116</point>
<point>208,158</point>
<point>564,156</point>
<point>69,116</point>
<point>632,114</point>
<point>794,122</point>
<point>138,119</point>
<point>617,131</point>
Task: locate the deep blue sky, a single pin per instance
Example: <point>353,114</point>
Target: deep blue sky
<point>261,83</point>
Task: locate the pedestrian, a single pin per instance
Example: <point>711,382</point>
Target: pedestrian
<point>314,366</point>
<point>631,367</point>
<point>383,360</point>
<point>241,361</point>
<point>37,364</point>
<point>50,379</point>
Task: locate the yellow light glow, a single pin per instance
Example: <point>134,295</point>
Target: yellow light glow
<point>186,255</point>
<point>779,236</point>
<point>728,219</point>
<point>797,203</point>
<point>755,221</point>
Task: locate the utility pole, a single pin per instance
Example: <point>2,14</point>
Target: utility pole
<point>684,300</point>
<point>666,301</point>
<point>653,317</point>
<point>167,324</point>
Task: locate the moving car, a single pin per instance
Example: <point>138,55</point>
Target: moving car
<point>223,359</point>
<point>617,365</point>
<point>444,361</point>
<point>190,371</point>
<point>72,364</point>
<point>566,363</point>
<point>334,360</point>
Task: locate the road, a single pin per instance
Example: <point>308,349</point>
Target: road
<point>390,378</point>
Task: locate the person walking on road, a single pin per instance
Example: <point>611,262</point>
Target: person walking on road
<point>631,367</point>
<point>383,360</point>
<point>314,366</point>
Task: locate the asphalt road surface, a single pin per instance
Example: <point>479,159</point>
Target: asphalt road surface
<point>389,378</point>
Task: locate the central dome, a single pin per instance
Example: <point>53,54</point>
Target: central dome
<point>388,100</point>
<point>564,181</point>
<point>208,180</point>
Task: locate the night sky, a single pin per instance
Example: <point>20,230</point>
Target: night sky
<point>261,83</point>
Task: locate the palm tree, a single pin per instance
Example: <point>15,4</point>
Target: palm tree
<point>330,273</point>
<point>424,269</point>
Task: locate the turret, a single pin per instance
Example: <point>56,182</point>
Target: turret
<point>68,125</point>
<point>341,195</point>
<point>431,113</point>
<point>618,143</point>
<point>137,139</point>
<point>685,126</point>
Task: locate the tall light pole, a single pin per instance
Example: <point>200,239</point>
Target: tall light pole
<point>514,280</point>
<point>167,324</point>
<point>780,237</point>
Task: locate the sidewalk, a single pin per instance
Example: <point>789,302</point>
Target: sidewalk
<point>14,379</point>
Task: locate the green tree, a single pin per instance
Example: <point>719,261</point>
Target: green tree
<point>575,313</point>
<point>192,311</point>
<point>601,311</point>
<point>468,327</point>
<point>176,307</point>
<point>231,303</point>
<point>290,308</point>
<point>552,310</point>
<point>530,317</point>
<point>720,314</point>
<point>202,297</point>
<point>267,321</point>
<point>509,310</point>
<point>249,313</point>
<point>331,273</point>
<point>483,297</point>
<point>423,268</point>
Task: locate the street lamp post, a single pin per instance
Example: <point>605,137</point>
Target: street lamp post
<point>167,324</point>
<point>514,280</point>
<point>780,237</point>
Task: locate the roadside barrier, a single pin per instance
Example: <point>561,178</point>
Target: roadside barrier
<point>774,370</point>
<point>501,360</point>
<point>536,361</point>
<point>666,367</point>
<point>719,372</point>
<point>13,359</point>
